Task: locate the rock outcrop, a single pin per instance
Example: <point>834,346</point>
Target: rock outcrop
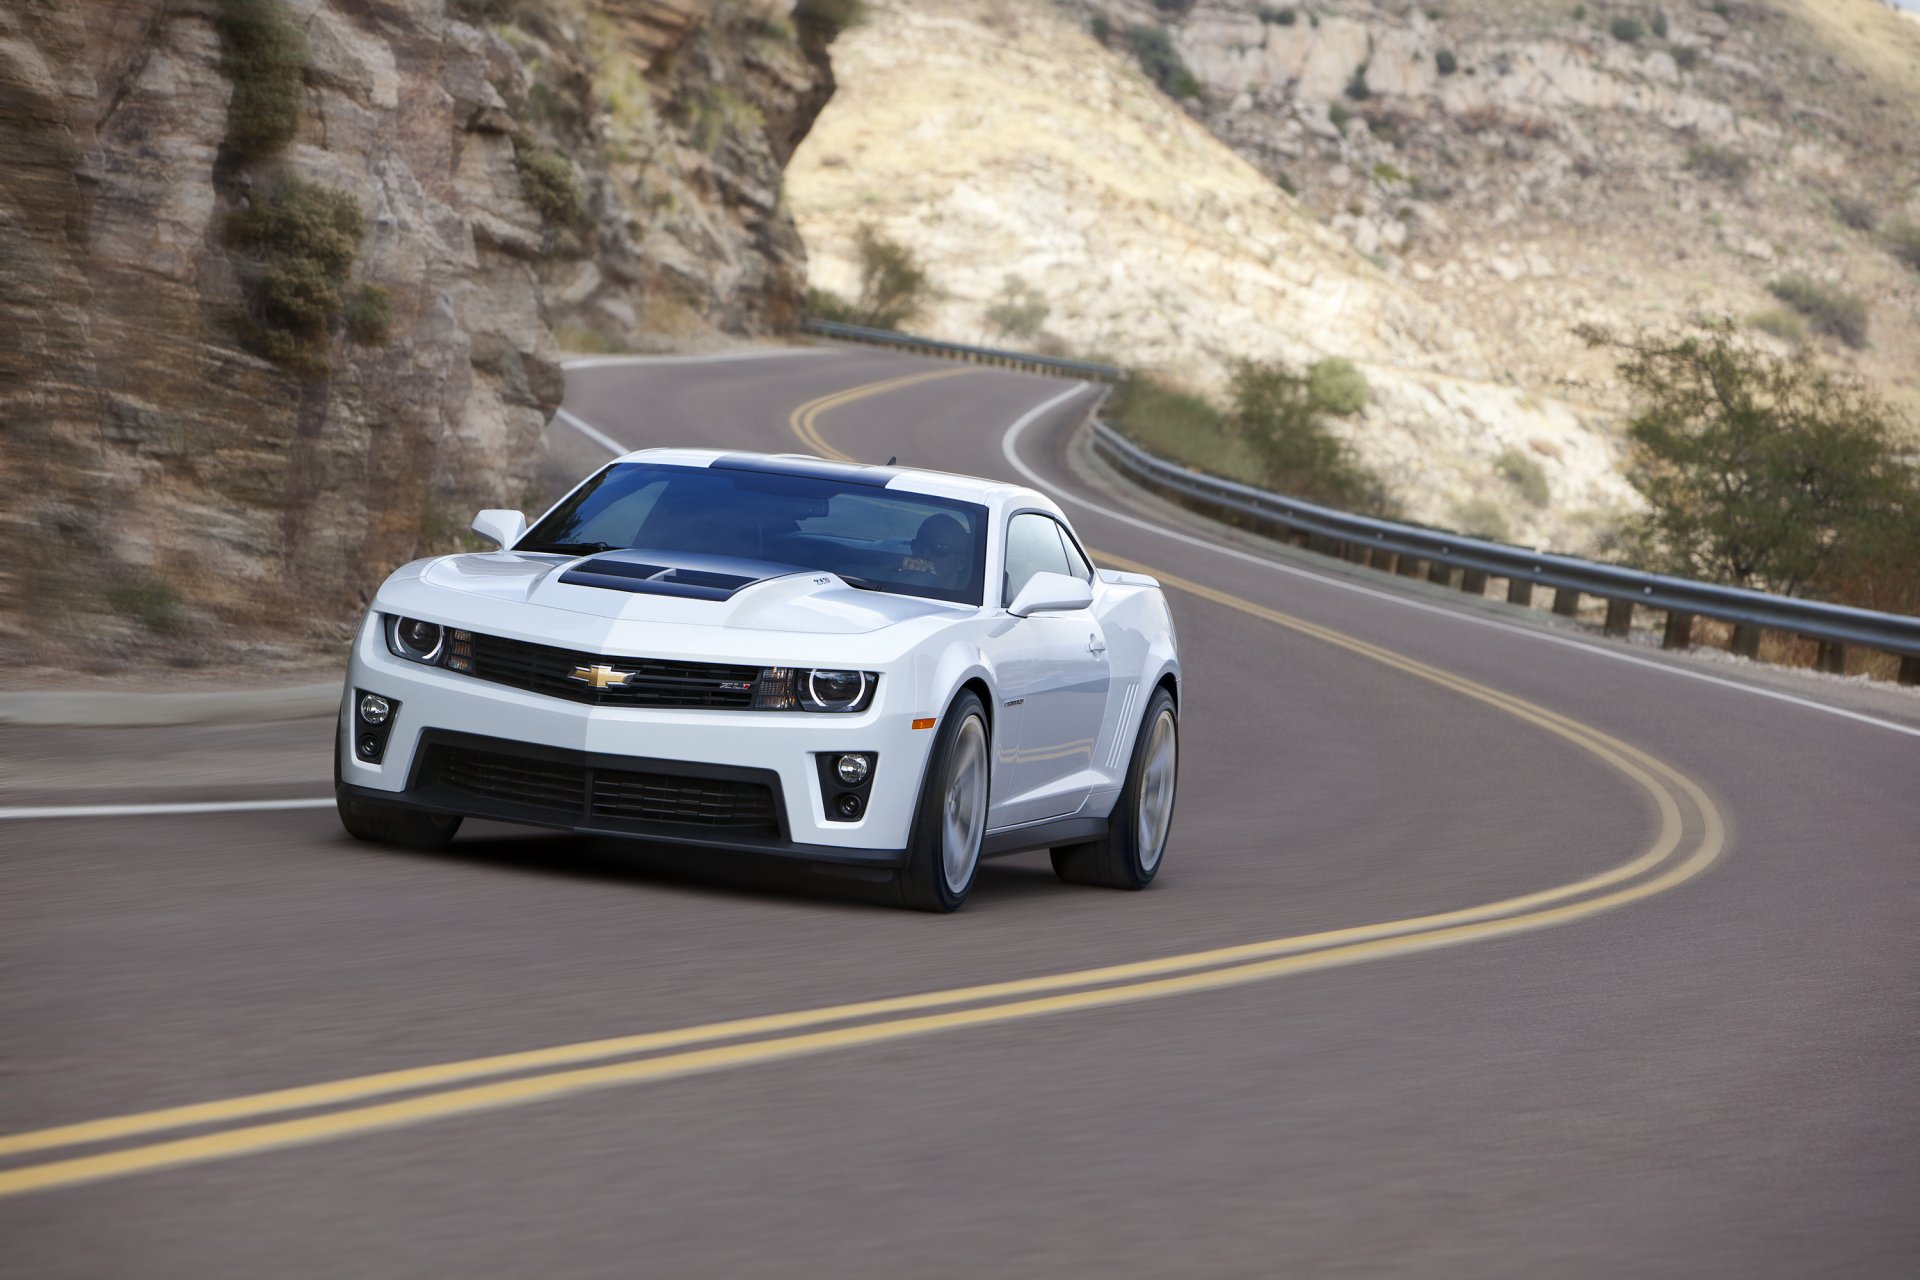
<point>226,407</point>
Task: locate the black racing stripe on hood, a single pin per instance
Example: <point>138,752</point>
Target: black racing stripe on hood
<point>673,573</point>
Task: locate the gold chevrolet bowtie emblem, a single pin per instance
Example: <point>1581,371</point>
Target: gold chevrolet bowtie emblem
<point>600,677</point>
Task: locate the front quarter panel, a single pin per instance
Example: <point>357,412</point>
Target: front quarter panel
<point>1142,650</point>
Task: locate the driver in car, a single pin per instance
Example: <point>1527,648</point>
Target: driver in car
<point>941,550</point>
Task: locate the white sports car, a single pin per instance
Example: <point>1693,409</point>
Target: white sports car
<point>894,672</point>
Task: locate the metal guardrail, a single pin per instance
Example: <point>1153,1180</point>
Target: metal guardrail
<point>1403,548</point>
<point>1025,360</point>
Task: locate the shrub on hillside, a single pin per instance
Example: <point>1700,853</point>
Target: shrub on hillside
<point>1727,164</point>
<point>264,54</point>
<point>369,314</point>
<point>1153,50</point>
<point>1903,240</point>
<point>1627,30</point>
<point>1282,17</point>
<point>1830,310</point>
<point>296,247</point>
<point>1445,63</point>
<point>1659,23</point>
<point>546,180</point>
<point>1018,311</point>
<point>1855,212</point>
<point>825,304</point>
<point>1357,84</point>
<point>893,286</point>
<point>830,17</point>
<point>1768,472</point>
<point>1274,410</point>
<point>1686,57</point>
<point>1337,386</point>
<point>1526,475</point>
<point>1784,325</point>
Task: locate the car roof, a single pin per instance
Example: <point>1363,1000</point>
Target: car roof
<point>939,484</point>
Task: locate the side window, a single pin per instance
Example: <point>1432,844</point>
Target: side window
<point>1076,563</point>
<point>1033,546</point>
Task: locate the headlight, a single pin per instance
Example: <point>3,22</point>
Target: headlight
<point>429,642</point>
<point>800,689</point>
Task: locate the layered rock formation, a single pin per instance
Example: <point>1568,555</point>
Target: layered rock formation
<point>210,431</point>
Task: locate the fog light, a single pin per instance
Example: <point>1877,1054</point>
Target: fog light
<point>847,807</point>
<point>369,747</point>
<point>374,709</point>
<point>851,769</point>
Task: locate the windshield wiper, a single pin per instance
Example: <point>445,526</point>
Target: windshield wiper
<point>864,584</point>
<point>572,548</point>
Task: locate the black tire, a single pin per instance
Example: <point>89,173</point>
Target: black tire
<point>1118,860</point>
<point>923,883</point>
<point>381,824</point>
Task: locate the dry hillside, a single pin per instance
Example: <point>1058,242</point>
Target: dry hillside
<point>1447,230</point>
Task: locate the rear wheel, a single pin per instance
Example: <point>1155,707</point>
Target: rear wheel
<point>381,824</point>
<point>1128,856</point>
<point>943,855</point>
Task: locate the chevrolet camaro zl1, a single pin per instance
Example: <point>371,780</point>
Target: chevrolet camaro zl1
<point>881,668</point>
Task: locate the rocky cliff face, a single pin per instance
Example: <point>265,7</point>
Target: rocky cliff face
<point>1529,164</point>
<point>280,279</point>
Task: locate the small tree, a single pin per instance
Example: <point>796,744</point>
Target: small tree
<point>893,285</point>
<point>1758,470</point>
<point>1276,411</point>
<point>1018,311</point>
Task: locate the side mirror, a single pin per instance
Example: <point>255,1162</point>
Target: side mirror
<point>503,528</point>
<point>1051,593</point>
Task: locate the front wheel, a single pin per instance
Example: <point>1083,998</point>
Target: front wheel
<point>1128,856</point>
<point>943,855</point>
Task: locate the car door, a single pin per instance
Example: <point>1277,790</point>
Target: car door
<point>1053,675</point>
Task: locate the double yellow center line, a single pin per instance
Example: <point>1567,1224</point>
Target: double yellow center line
<point>1691,835</point>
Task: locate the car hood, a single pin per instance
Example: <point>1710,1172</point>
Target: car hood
<point>682,591</point>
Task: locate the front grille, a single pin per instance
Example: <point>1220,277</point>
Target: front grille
<point>578,792</point>
<point>654,682</point>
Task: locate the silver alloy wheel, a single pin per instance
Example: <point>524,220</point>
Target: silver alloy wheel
<point>1154,810</point>
<point>964,812</point>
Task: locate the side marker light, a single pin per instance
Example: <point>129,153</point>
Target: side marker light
<point>923,724</point>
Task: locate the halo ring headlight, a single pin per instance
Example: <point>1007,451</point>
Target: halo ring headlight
<point>416,640</point>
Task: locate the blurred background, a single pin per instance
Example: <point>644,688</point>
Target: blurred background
<point>286,282</point>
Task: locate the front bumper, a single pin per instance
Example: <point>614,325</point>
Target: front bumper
<point>440,712</point>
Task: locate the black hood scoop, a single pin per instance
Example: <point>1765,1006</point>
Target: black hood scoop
<point>673,573</point>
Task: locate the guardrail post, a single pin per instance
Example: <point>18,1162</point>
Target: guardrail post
<point>1619,617</point>
<point>1910,669</point>
<point>1832,659</point>
<point>1746,640</point>
<point>1380,559</point>
<point>1679,633</point>
<point>1407,566</point>
<point>1440,572</point>
<point>1566,602</point>
<point>1356,553</point>
<point>1474,582</point>
<point>1519,591</point>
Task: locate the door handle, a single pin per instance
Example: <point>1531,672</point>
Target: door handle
<point>1096,646</point>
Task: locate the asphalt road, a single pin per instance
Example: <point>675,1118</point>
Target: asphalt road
<point>1682,1042</point>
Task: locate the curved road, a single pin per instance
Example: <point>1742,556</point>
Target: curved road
<point>1479,951</point>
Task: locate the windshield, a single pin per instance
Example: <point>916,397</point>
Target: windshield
<point>880,539</point>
